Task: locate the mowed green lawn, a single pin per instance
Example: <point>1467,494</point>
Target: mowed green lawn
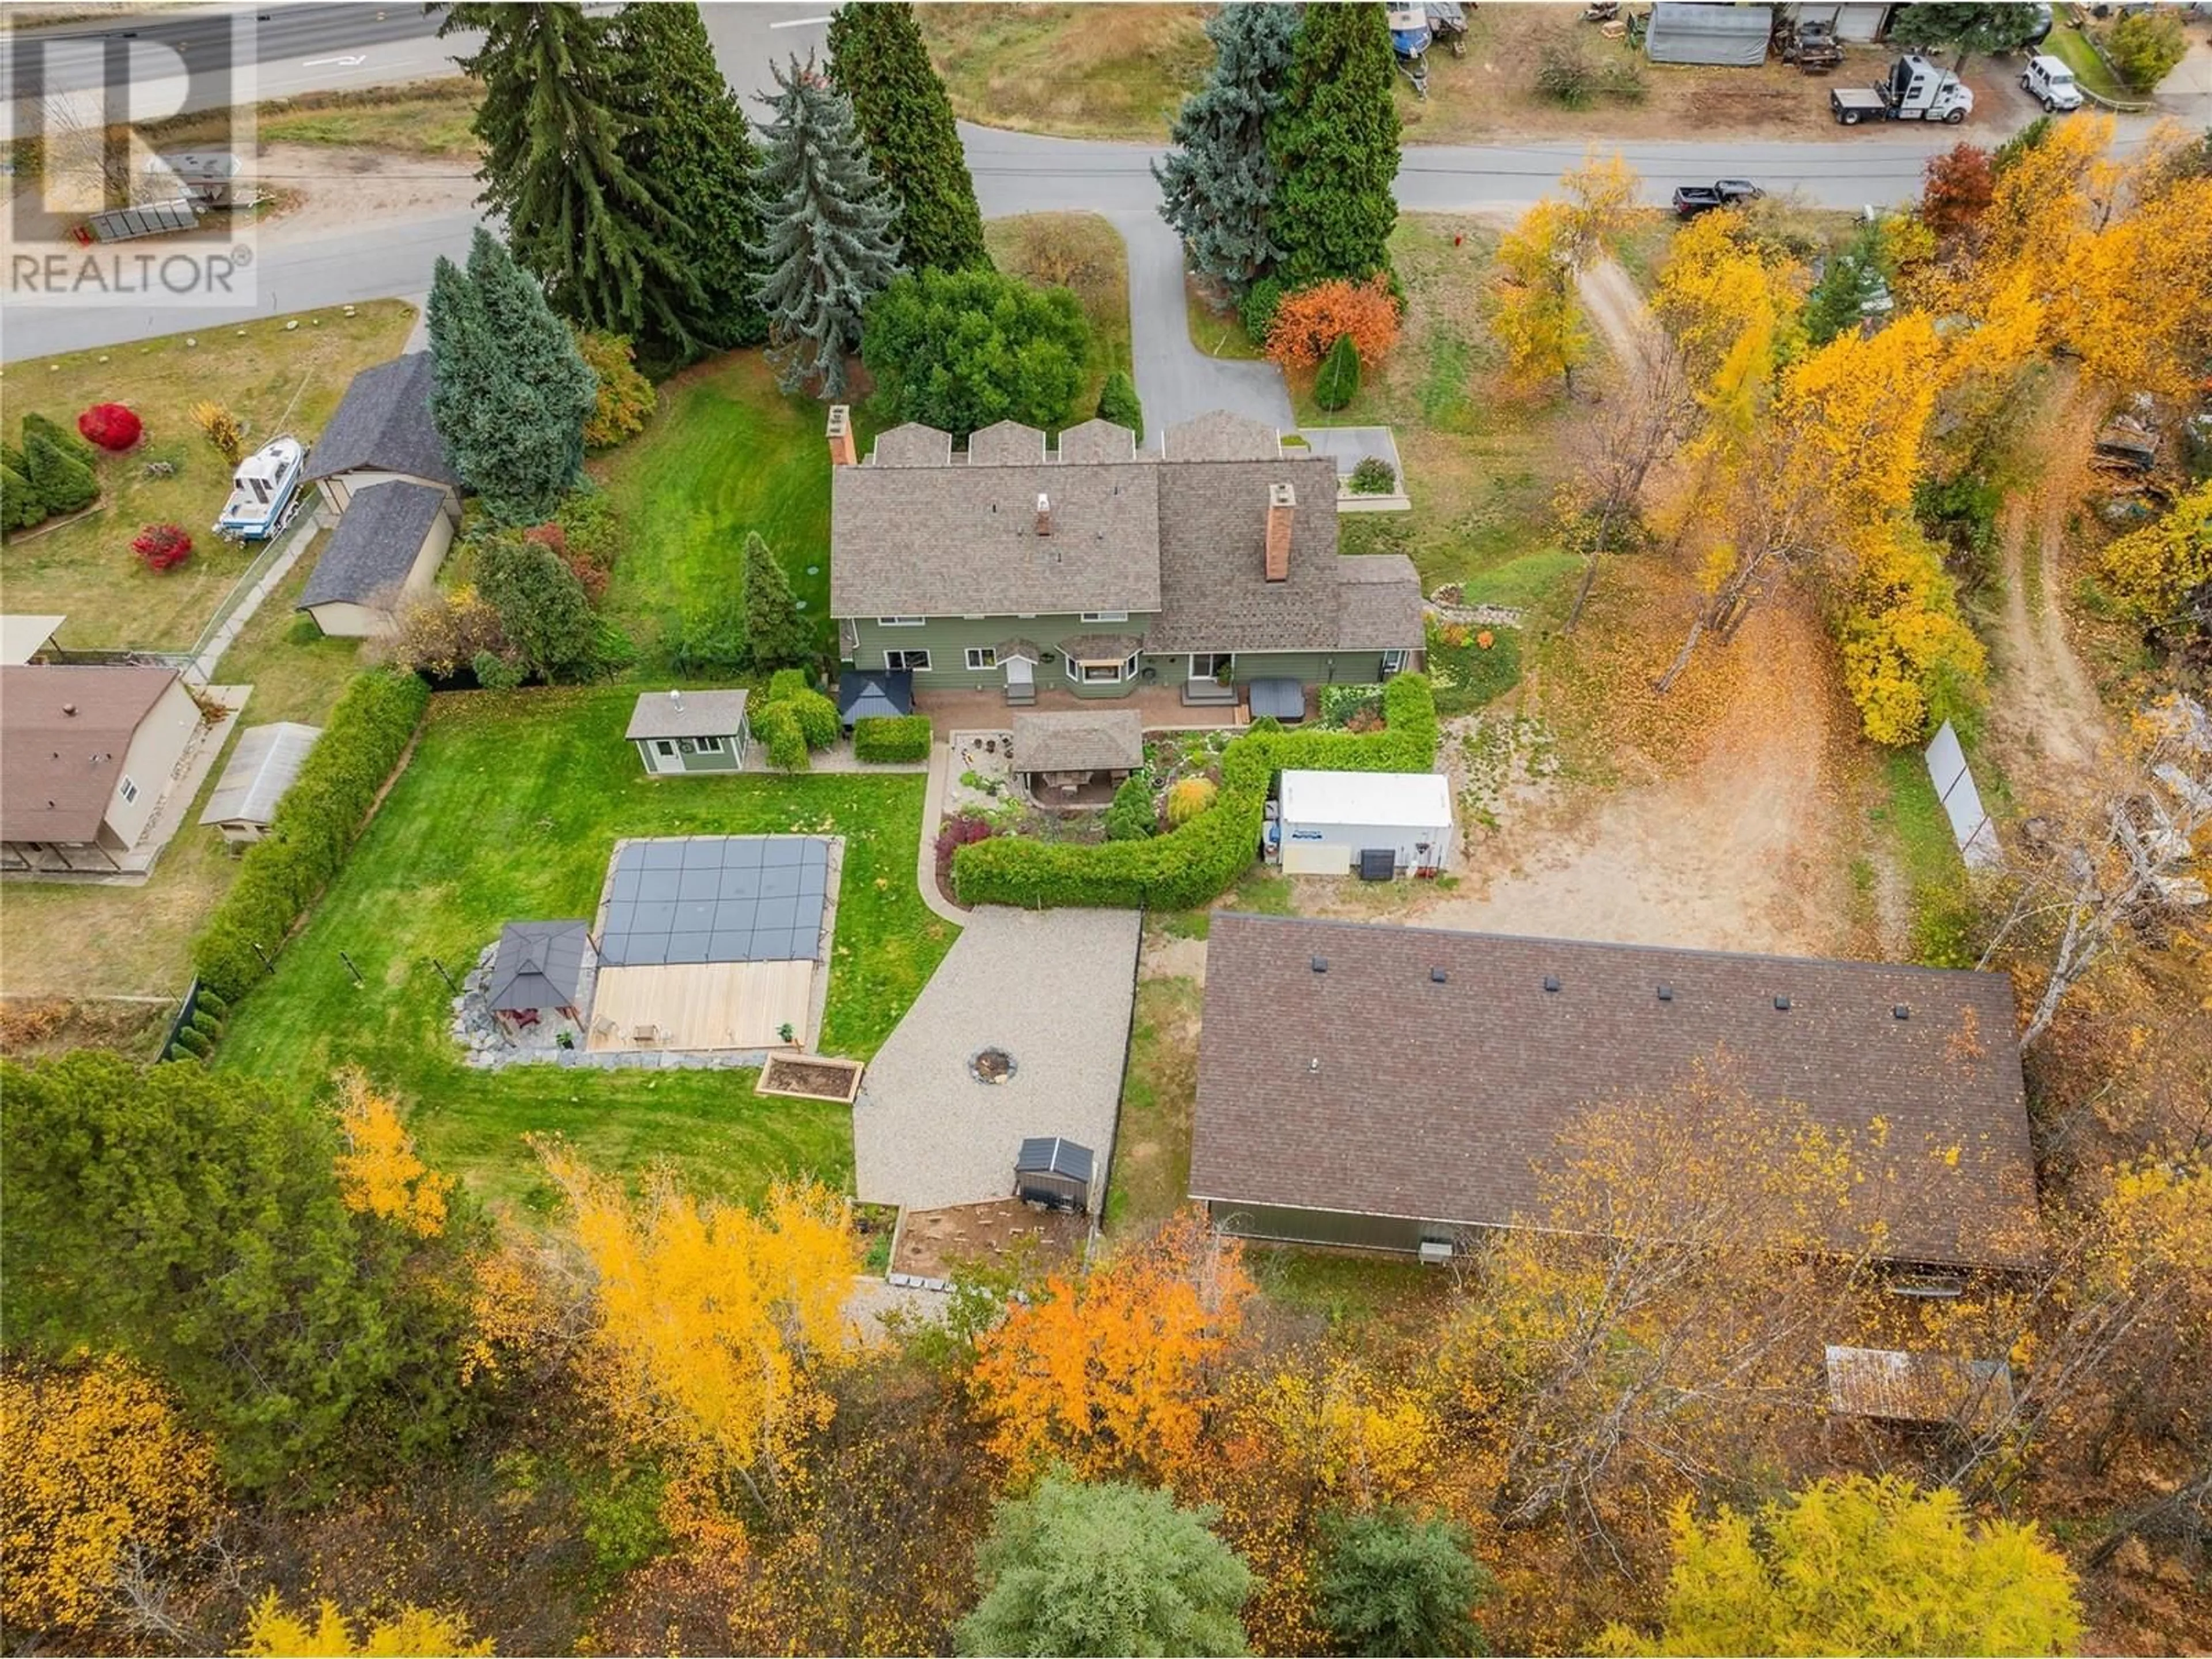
<point>726,453</point>
<point>509,812</point>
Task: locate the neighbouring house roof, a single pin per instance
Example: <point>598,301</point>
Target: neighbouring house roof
<point>379,538</point>
<point>1080,740</point>
<point>1378,602</point>
<point>687,714</point>
<point>539,965</point>
<point>260,769</point>
<point>1007,443</point>
<point>1402,1095</point>
<point>384,423</point>
<point>22,638</point>
<point>64,730</point>
<point>1918,1387</point>
<point>910,539</point>
<point>1051,1155</point>
<point>865,692</point>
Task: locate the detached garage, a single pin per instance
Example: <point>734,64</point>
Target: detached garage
<point>1380,824</point>
<point>1685,31</point>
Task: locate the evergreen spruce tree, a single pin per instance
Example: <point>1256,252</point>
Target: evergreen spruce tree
<point>693,142</point>
<point>878,60</point>
<point>66,438</point>
<point>1334,142</point>
<point>1219,181</point>
<point>62,483</point>
<point>20,505</point>
<point>559,169</point>
<point>512,392</point>
<point>828,245</point>
<point>777,633</point>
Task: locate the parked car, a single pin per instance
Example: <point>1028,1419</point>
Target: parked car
<point>1691,200</point>
<point>2050,83</point>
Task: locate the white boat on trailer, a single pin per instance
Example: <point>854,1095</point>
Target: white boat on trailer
<point>265,492</point>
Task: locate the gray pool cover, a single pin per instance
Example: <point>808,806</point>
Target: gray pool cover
<point>715,898</point>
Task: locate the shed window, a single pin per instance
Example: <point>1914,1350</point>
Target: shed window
<point>700,745</point>
<point>913,661</point>
<point>129,791</point>
<point>983,656</point>
<point>1393,662</point>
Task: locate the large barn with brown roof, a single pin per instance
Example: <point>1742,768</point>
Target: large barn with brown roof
<point>1386,1087</point>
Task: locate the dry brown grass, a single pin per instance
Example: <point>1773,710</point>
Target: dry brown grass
<point>1089,71</point>
<point>31,1027</point>
<point>1082,252</point>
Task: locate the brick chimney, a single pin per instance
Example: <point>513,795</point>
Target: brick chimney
<point>841,435</point>
<point>1282,503</point>
<point>1045,513</point>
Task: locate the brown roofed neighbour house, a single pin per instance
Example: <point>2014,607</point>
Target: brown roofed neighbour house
<point>66,736</point>
<point>1354,1070</point>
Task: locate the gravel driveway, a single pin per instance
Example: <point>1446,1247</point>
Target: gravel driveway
<point>1052,988</point>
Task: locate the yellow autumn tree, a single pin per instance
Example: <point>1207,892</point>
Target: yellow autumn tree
<point>1108,1372</point>
<point>2155,568</point>
<point>1538,320</point>
<point>712,1319</point>
<point>272,1632</point>
<point>2135,303</point>
<point>1352,1436</point>
<point>1732,306</point>
<point>1910,659</point>
<point>379,1172</point>
<point>93,1461</point>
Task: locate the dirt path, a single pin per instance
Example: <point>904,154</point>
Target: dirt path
<point>2046,707</point>
<point>1609,293</point>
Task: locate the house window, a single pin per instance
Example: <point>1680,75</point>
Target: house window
<point>129,791</point>
<point>1393,662</point>
<point>914,661</point>
<point>899,622</point>
<point>665,747</point>
<point>1102,673</point>
<point>1105,616</point>
<point>983,656</point>
<point>1210,664</point>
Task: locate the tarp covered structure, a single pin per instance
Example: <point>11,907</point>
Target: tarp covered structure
<point>1686,32</point>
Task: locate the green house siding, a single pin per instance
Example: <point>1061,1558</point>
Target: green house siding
<point>1309,667</point>
<point>1327,1227</point>
<point>948,639</point>
<point>728,760</point>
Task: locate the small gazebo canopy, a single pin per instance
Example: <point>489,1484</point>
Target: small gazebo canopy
<point>539,965</point>
<point>867,695</point>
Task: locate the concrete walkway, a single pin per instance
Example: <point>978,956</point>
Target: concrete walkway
<point>932,809</point>
<point>296,539</point>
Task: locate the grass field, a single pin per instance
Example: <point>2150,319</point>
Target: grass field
<point>421,118</point>
<point>1151,1176</point>
<point>1098,71</point>
<point>1215,327</point>
<point>509,812</point>
<point>274,379</point>
<point>726,453</point>
<point>1085,253</point>
<point>2072,46</point>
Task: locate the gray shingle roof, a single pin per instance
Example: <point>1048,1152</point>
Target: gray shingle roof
<point>1007,443</point>
<point>1079,740</point>
<point>1378,602</point>
<point>1437,1101</point>
<point>1214,590</point>
<point>378,538</point>
<point>687,714</point>
<point>384,423</point>
<point>1219,435</point>
<point>914,445</point>
<point>260,769</point>
<point>538,965</point>
<point>1097,440</point>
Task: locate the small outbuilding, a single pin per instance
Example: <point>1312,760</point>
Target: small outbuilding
<point>1692,32</point>
<point>1055,1173</point>
<point>1893,1386</point>
<point>539,973</point>
<point>383,430</point>
<point>261,769</point>
<point>1381,824</point>
<point>678,732</point>
<point>868,694</point>
<point>1058,755</point>
<point>390,543</point>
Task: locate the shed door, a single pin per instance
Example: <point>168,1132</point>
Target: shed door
<point>1314,858</point>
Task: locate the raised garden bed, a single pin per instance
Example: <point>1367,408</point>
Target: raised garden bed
<point>811,1077</point>
<point>935,1244</point>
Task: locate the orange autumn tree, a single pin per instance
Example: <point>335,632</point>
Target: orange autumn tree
<point>1108,1373</point>
<point>711,1320</point>
<point>380,1173</point>
<point>1309,323</point>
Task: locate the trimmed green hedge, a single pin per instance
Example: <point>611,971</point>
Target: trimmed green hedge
<point>777,729</point>
<point>1192,865</point>
<point>891,737</point>
<point>316,822</point>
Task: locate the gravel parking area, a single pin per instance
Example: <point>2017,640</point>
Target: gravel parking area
<point>1050,988</point>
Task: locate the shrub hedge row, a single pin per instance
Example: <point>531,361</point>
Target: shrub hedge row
<point>891,737</point>
<point>314,825</point>
<point>1191,866</point>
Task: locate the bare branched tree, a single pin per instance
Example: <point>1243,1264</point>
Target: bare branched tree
<point>1636,428</point>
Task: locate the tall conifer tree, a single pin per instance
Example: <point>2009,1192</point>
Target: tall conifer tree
<point>1335,147</point>
<point>828,245</point>
<point>1219,181</point>
<point>876,58</point>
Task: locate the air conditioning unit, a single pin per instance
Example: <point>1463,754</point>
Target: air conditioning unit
<point>1436,1252</point>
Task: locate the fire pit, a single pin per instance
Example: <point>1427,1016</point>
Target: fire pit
<point>991,1065</point>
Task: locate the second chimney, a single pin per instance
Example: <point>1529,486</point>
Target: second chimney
<point>1282,503</point>
<point>1045,513</point>
<point>841,435</point>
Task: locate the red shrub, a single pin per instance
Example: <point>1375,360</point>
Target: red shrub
<point>590,574</point>
<point>163,546</point>
<point>959,833</point>
<point>110,426</point>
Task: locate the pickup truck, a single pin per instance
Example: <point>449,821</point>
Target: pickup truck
<point>1914,90</point>
<point>1691,200</point>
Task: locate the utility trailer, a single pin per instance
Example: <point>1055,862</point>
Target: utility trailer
<point>1913,90</point>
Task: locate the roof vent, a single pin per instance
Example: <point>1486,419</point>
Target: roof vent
<point>1666,993</point>
<point>1899,1010</point>
<point>1320,964</point>
<point>675,699</point>
<point>1437,976</point>
<point>1781,1003</point>
<point>1314,1065</point>
<point>69,708</point>
<point>1551,982</point>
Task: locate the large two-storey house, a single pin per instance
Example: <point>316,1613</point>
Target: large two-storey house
<point>1208,564</point>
